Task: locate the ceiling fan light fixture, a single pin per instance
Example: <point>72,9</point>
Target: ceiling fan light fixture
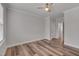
<point>46,9</point>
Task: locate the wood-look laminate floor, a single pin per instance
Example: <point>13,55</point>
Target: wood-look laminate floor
<point>41,48</point>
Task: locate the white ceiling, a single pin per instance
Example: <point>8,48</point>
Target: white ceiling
<point>57,8</point>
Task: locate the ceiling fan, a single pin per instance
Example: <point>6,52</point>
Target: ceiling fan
<point>47,7</point>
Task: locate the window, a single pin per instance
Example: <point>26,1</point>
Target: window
<point>1,22</point>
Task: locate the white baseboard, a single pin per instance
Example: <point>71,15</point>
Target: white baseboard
<point>71,45</point>
<point>1,42</point>
<point>4,51</point>
<point>4,48</point>
<point>24,42</point>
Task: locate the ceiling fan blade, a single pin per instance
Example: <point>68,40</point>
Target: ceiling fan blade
<point>40,7</point>
<point>47,7</point>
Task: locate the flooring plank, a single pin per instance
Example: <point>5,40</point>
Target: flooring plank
<point>37,50</point>
<point>64,51</point>
<point>25,50</point>
<point>50,48</point>
<point>49,52</point>
<point>29,49</point>
<point>20,51</point>
<point>8,52</point>
<point>41,48</point>
<point>71,51</point>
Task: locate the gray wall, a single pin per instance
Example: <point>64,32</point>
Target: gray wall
<point>71,20</point>
<point>53,27</point>
<point>23,27</point>
<point>47,27</point>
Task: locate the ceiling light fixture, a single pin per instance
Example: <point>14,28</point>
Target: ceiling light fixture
<point>47,7</point>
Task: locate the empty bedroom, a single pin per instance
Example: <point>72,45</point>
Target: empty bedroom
<point>39,29</point>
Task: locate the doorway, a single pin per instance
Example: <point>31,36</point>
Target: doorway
<point>57,39</point>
